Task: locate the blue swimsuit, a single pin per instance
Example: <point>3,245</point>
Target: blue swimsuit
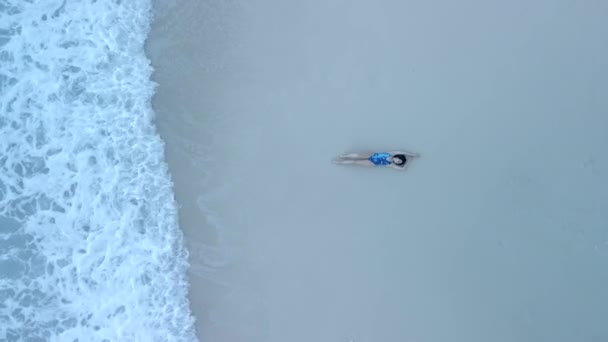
<point>381,159</point>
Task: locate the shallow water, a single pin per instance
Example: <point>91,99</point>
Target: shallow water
<point>496,233</point>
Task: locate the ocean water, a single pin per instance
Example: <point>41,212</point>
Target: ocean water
<point>90,249</point>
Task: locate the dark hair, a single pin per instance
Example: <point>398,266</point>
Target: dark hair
<point>402,158</point>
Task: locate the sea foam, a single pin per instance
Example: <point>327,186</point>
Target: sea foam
<point>90,249</point>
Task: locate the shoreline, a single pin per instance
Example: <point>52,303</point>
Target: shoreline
<point>188,132</point>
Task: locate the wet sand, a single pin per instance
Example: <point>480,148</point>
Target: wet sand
<point>496,234</point>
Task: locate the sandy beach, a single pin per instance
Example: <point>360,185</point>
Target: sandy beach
<point>497,233</point>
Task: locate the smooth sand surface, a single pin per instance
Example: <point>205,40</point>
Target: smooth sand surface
<point>498,233</point>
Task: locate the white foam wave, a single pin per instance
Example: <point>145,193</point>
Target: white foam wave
<point>87,215</point>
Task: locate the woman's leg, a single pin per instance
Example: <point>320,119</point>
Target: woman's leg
<point>359,158</point>
<point>362,162</point>
<point>353,160</point>
<point>356,155</point>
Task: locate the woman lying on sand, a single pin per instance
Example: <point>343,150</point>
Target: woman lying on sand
<point>395,159</point>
